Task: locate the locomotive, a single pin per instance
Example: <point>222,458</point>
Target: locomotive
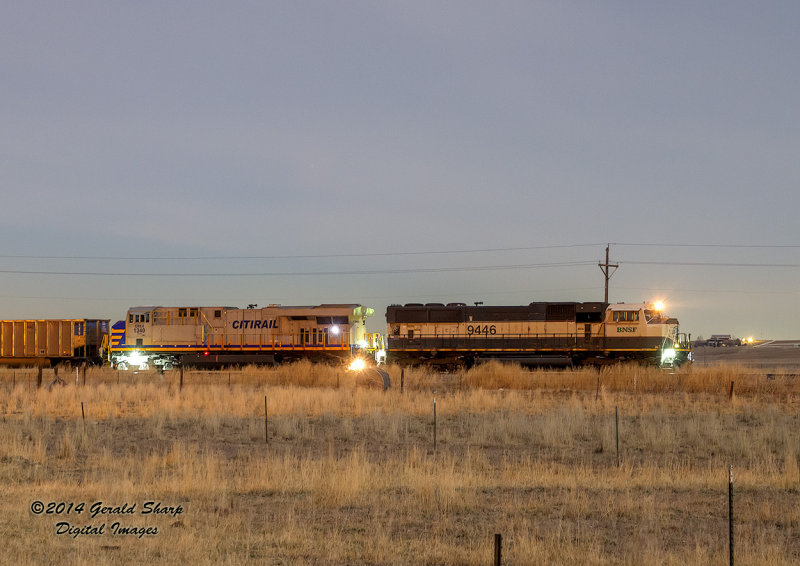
<point>164,337</point>
<point>541,333</point>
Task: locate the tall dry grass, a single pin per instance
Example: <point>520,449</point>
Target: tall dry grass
<point>350,475</point>
<point>633,378</point>
<point>491,375</point>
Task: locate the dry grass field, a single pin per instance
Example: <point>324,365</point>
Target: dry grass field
<point>152,473</point>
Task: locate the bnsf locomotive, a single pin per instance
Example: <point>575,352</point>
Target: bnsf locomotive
<point>537,334</point>
<point>163,337</point>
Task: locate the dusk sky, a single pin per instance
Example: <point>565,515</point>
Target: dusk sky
<point>226,153</point>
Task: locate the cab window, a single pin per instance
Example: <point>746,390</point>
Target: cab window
<point>626,316</point>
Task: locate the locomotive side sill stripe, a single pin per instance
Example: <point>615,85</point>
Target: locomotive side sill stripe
<point>223,349</point>
<point>531,350</point>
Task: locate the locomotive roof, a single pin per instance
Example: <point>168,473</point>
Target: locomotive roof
<point>459,312</point>
<point>580,306</point>
<point>141,309</point>
<point>628,306</point>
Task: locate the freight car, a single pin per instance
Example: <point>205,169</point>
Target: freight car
<point>541,333</point>
<point>163,337</point>
<point>52,342</point>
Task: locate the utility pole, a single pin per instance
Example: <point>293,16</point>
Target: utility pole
<point>607,272</point>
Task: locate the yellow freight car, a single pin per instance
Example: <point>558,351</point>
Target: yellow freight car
<point>50,342</point>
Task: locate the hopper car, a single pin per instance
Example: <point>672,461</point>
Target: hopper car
<point>541,333</point>
<point>49,342</point>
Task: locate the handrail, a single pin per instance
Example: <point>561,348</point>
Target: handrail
<point>275,341</point>
<point>521,341</point>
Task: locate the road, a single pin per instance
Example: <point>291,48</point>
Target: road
<point>767,354</point>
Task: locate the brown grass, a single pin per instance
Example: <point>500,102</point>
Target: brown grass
<point>350,475</point>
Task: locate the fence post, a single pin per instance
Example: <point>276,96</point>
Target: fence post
<point>616,416</point>
<point>730,510</point>
<point>402,379</point>
<point>266,422</point>
<point>498,545</point>
<point>730,394</point>
<point>180,387</point>
<point>434,424</point>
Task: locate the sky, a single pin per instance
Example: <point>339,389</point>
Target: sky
<point>227,153</point>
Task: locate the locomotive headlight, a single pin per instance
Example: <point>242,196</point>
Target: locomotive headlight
<point>135,358</point>
<point>659,306</point>
<point>335,330</point>
<point>667,355</point>
<point>357,365</point>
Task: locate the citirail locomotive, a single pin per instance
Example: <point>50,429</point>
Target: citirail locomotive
<point>541,333</point>
<point>163,337</point>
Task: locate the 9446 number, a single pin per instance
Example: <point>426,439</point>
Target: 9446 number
<point>486,329</point>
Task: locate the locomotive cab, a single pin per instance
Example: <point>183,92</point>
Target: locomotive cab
<point>645,326</point>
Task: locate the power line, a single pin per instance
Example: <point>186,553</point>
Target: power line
<point>710,264</point>
<point>305,273</point>
<point>278,300</point>
<point>392,254</point>
<point>710,290</point>
<point>300,256</point>
<point>731,246</point>
<point>431,294</point>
